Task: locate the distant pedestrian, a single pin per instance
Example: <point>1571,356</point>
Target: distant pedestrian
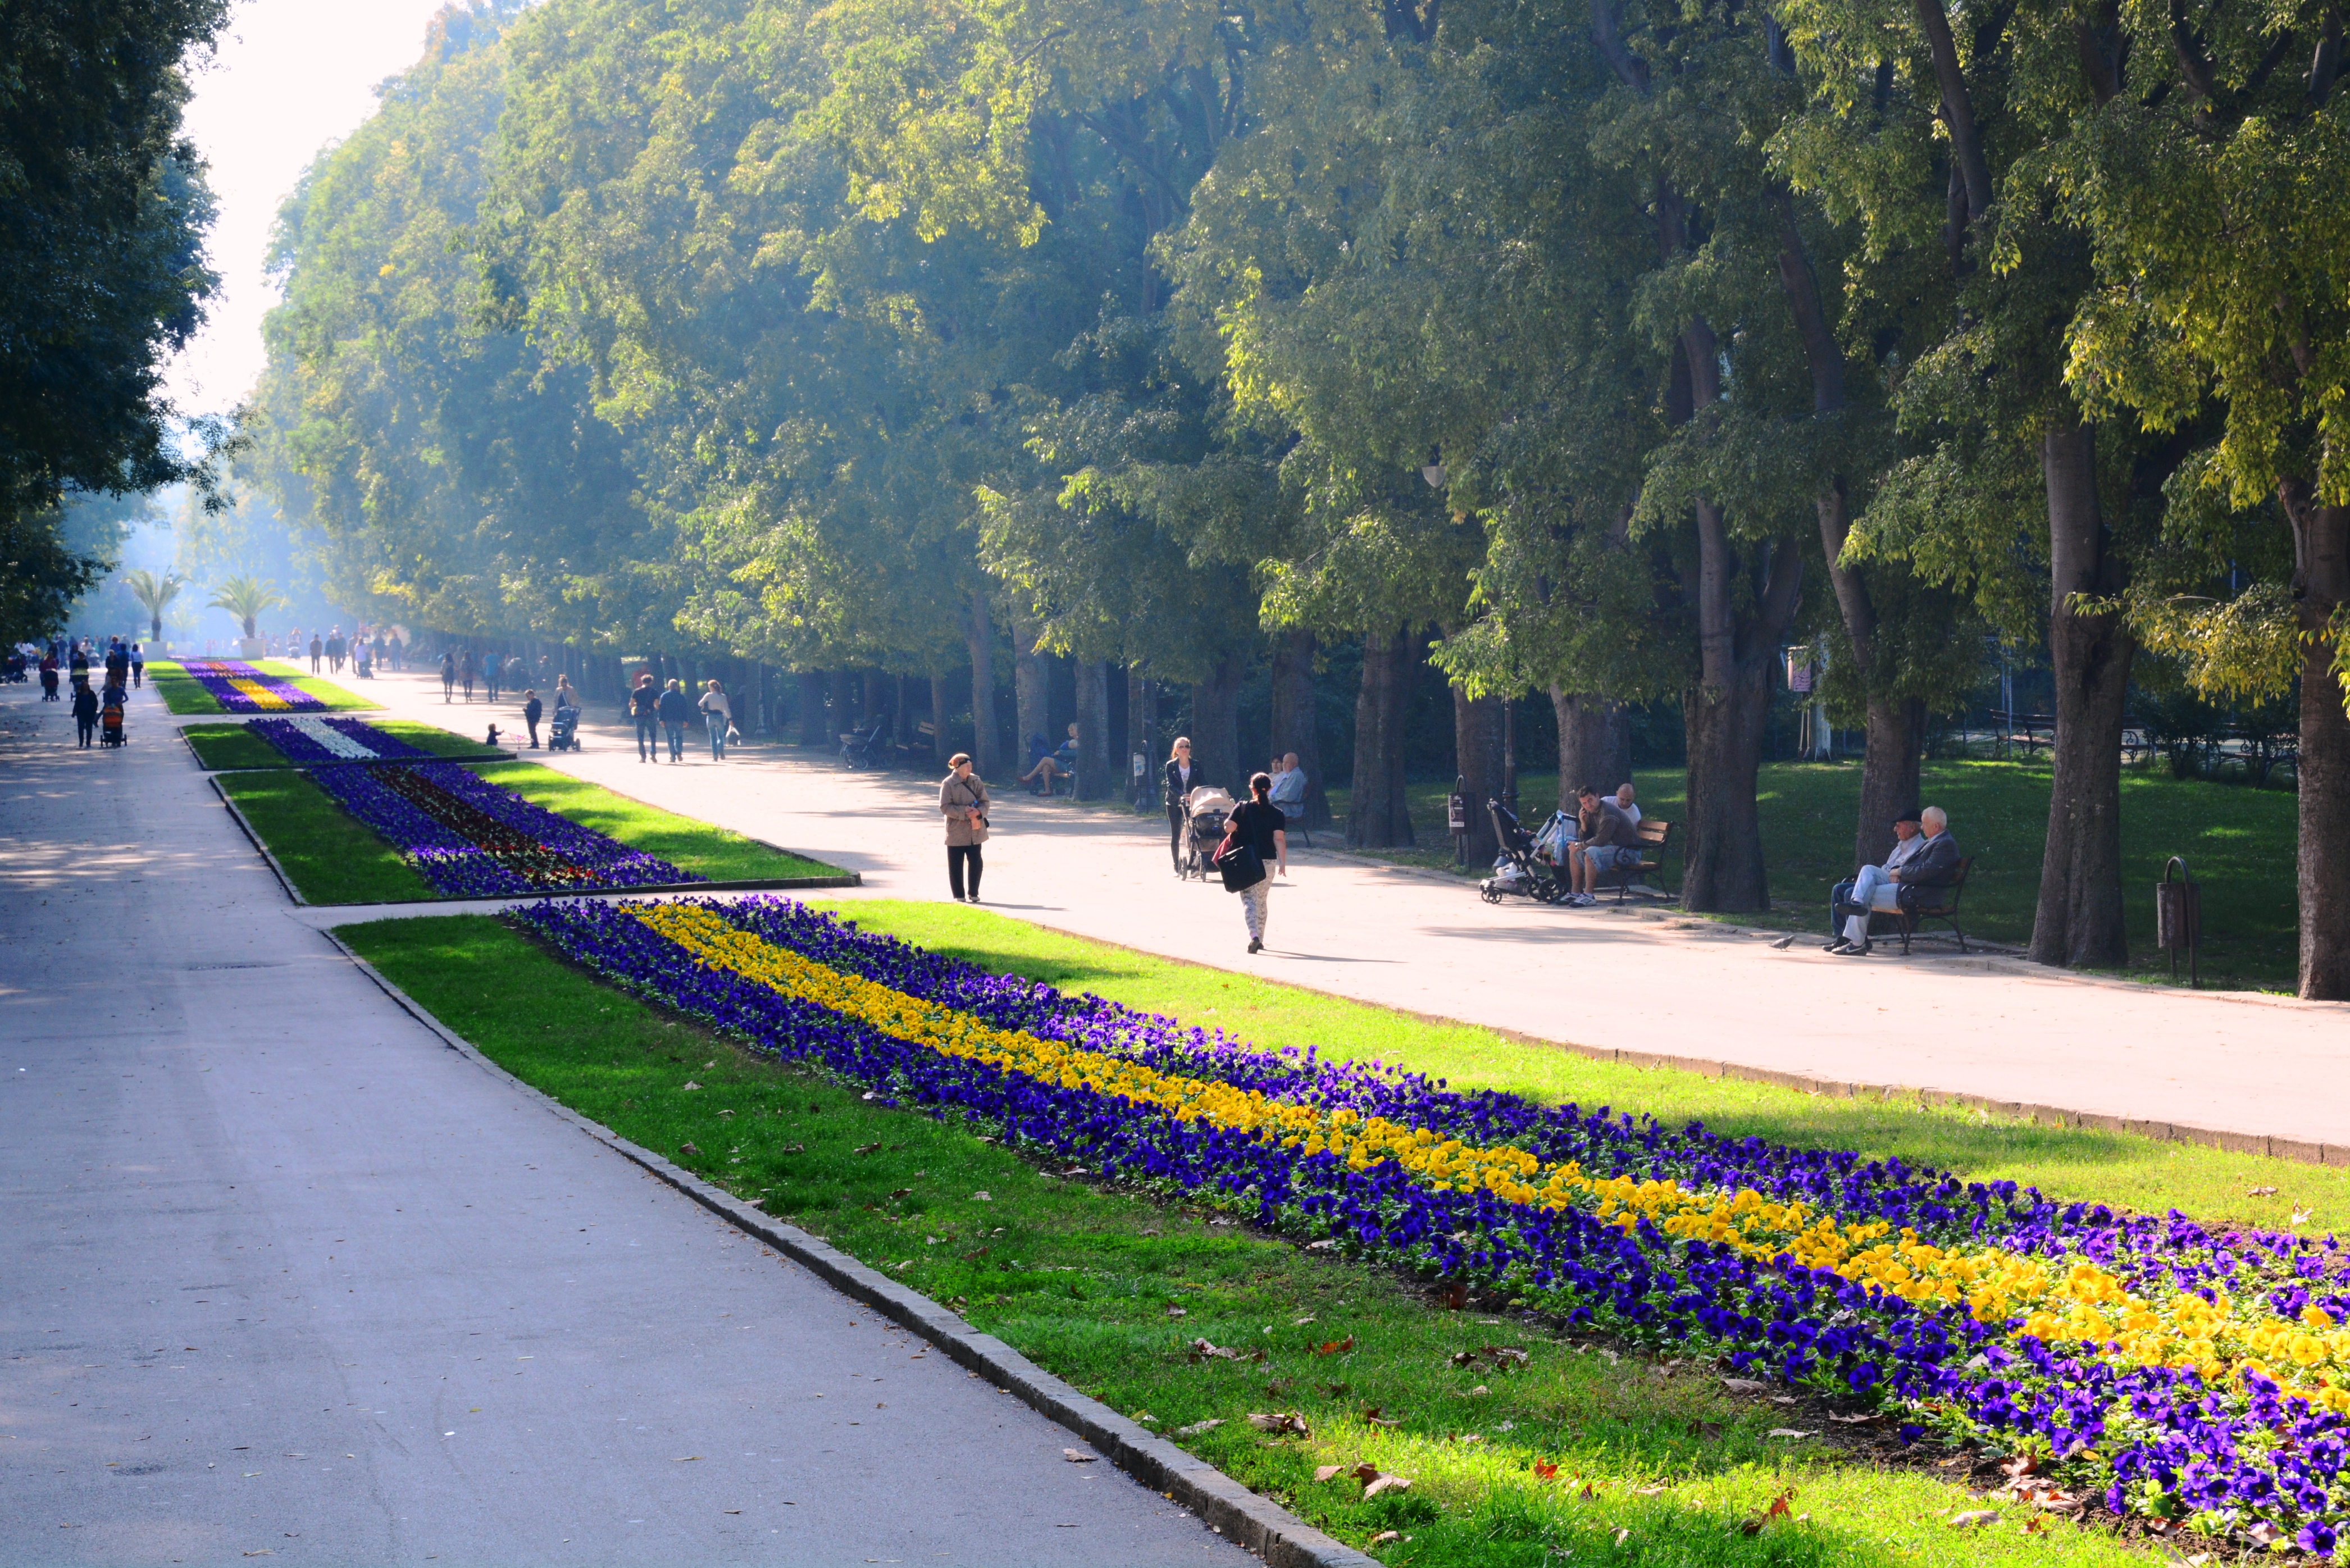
<point>467,672</point>
<point>1183,776</point>
<point>84,711</point>
<point>644,706</point>
<point>963,801</point>
<point>337,649</point>
<point>138,665</point>
<point>719,715</point>
<point>448,676</point>
<point>1256,825</point>
<point>675,709</point>
<point>49,676</point>
<point>493,669</point>
<point>517,673</point>
<point>530,712</point>
<point>317,651</point>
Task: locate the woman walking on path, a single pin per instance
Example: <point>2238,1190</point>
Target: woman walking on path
<point>138,665</point>
<point>676,708</point>
<point>1259,824</point>
<point>85,711</point>
<point>448,675</point>
<point>719,715</point>
<point>466,673</point>
<point>531,709</point>
<point>963,801</point>
<point>1182,778</point>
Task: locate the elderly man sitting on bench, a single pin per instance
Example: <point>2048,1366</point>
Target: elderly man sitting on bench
<point>1926,856</point>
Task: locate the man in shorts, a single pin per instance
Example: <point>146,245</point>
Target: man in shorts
<point>1607,844</point>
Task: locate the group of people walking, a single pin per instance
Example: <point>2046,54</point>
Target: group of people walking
<point>96,712</point>
<point>660,709</point>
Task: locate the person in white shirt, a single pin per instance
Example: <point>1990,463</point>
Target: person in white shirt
<point>1624,801</point>
<point>1289,785</point>
<point>1876,887</point>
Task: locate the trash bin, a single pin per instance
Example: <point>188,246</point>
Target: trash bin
<point>2179,919</point>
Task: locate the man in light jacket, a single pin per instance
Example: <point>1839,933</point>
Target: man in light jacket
<point>1932,863</point>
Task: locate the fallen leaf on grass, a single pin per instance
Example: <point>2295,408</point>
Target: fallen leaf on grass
<point>1324,1245</point>
<point>1078,1456</point>
<point>1201,1350</point>
<point>1384,1536</point>
<point>1973,1517</point>
<point>1546,1472</point>
<point>1622,1536</point>
<point>1377,1480</point>
<point>1179,1312</point>
<point>1280,1422</point>
<point>1377,1419</point>
<point>868,1148</point>
<point>1337,1346</point>
<point>2261,1192</point>
<point>981,1197</point>
<point>1301,1323</point>
<point>1657,1491</point>
<point>901,1192</point>
<point>1791,1433</point>
<point>1196,1428</point>
<point>1743,1385</point>
<point>1325,1472</point>
<point>1473,1436</point>
<point>793,1149</point>
<point>1754,1523</point>
<point>1860,1421</point>
<point>690,1087</point>
<point>688,1148</point>
<point>1479,1391</point>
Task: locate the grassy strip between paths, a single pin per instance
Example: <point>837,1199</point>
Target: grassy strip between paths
<point>1655,1465</point>
<point>234,745</point>
<point>182,693</point>
<point>334,858</point>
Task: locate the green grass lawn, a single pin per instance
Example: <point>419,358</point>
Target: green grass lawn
<point>334,858</point>
<point>2239,842</point>
<point>182,693</point>
<point>232,745</point>
<point>1657,1465</point>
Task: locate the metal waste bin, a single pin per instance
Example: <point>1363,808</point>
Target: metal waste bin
<point>2179,919</point>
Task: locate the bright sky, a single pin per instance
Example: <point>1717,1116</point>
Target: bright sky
<point>291,76</point>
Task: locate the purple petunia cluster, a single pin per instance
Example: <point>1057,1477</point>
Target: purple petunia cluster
<point>215,675</point>
<point>300,742</point>
<point>513,851</point>
<point>2246,1459</point>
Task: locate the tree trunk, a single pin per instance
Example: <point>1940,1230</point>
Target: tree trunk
<point>1721,853</point>
<point>1095,780</point>
<point>2321,581</point>
<point>1379,815</point>
<point>979,635</point>
<point>1594,744</point>
<point>1477,759</point>
<point>1888,773</point>
<point>1032,696</point>
<point>1295,727</point>
<point>816,714</point>
<point>2079,919</point>
<point>1216,726</point>
<point>1141,738</point>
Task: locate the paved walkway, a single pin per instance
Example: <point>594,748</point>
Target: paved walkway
<point>1998,1028</point>
<point>286,1277</point>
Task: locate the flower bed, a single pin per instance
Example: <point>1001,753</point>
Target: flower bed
<point>470,839</point>
<point>309,740</point>
<point>239,688</point>
<point>2191,1374</point>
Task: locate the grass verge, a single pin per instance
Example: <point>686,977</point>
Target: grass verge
<point>232,745</point>
<point>1655,1465</point>
<point>334,858</point>
<point>183,694</point>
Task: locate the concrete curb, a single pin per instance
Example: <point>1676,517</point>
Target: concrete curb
<point>275,869</point>
<point>1262,1526</point>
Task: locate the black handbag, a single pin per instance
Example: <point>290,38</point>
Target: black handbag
<point>1238,863</point>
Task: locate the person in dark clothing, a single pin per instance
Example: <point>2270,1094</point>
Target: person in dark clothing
<point>448,676</point>
<point>644,706</point>
<point>84,711</point>
<point>675,709</point>
<point>117,666</point>
<point>1259,824</point>
<point>49,678</point>
<point>317,651</point>
<point>138,665</point>
<point>493,669</point>
<point>466,672</point>
<point>1934,867</point>
<point>963,801</point>
<point>531,709</point>
<point>1608,840</point>
<point>1182,778</point>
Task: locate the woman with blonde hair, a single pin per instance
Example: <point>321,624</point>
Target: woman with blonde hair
<point>1182,778</point>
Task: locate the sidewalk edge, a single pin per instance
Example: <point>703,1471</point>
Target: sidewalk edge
<point>1257,1523</point>
<point>275,869</point>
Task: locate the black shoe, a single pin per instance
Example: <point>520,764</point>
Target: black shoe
<point>1848,950</point>
<point>1256,944</point>
<point>1833,943</point>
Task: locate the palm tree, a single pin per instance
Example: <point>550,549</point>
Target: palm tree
<point>153,593</point>
<point>248,599</point>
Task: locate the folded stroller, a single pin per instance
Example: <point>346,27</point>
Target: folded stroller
<point>1521,870</point>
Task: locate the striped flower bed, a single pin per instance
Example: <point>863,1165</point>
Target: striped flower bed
<point>2186,1373</point>
<point>240,688</point>
<point>308,740</point>
<point>470,839</point>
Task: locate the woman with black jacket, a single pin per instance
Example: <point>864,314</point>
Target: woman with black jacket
<point>1182,777</point>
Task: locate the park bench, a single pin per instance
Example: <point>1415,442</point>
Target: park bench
<point>1656,836</point>
<point>1945,909</point>
<point>862,748</point>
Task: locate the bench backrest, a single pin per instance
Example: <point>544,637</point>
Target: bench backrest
<point>1655,833</point>
<point>1949,895</point>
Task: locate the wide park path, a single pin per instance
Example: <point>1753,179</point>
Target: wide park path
<point>2271,1068</point>
<point>287,1278</point>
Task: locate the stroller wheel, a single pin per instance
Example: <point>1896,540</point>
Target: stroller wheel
<point>1490,893</point>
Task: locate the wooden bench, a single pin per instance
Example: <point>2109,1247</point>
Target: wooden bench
<point>1655,838</point>
<point>1945,909</point>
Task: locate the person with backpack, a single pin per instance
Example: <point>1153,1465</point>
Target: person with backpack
<point>1255,837</point>
<point>675,708</point>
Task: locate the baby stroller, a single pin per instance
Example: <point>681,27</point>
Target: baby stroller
<point>565,736</point>
<point>1528,865</point>
<point>1206,810</point>
<point>110,719</point>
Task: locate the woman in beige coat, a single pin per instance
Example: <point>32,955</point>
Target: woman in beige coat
<point>963,801</point>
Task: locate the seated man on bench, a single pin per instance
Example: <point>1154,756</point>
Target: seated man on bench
<point>1607,843</point>
<point>1926,857</point>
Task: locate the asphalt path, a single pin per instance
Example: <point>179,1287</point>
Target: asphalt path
<point>288,1278</point>
<point>2013,1032</point>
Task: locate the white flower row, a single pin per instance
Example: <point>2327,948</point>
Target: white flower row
<point>334,740</point>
